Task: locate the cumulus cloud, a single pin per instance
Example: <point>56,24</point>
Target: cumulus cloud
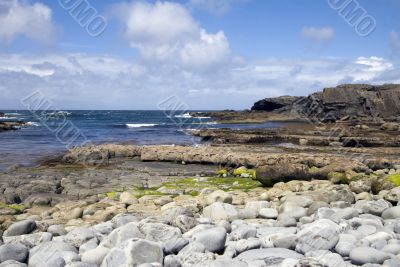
<point>20,18</point>
<point>111,82</point>
<point>315,34</point>
<point>395,41</point>
<point>166,32</point>
<point>217,7</point>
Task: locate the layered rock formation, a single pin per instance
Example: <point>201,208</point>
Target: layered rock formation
<point>270,104</point>
<point>349,101</point>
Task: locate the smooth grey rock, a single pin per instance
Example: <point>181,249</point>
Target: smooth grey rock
<point>172,261</point>
<point>192,247</point>
<point>315,206</point>
<point>327,258</point>
<point>12,263</point>
<point>134,252</point>
<point>77,237</point>
<point>221,211</point>
<point>392,249</point>
<point>246,244</point>
<point>197,229</point>
<point>16,252</point>
<point>79,264</point>
<point>95,256</point>
<point>391,213</point>
<point>268,213</point>
<point>322,234</point>
<point>288,242</point>
<point>20,228</point>
<point>175,245</point>
<point>56,230</point>
<point>243,232</point>
<point>296,213</point>
<point>396,227</point>
<point>363,255</point>
<point>159,232</point>
<point>346,243</point>
<point>122,219</point>
<point>29,240</point>
<point>256,206</point>
<point>121,234</point>
<point>213,239</point>
<point>375,207</point>
<point>268,255</point>
<point>391,263</point>
<point>264,231</point>
<point>91,244</point>
<point>286,220</point>
<point>196,259</point>
<point>219,196</point>
<point>103,229</point>
<point>226,263</point>
<point>52,254</point>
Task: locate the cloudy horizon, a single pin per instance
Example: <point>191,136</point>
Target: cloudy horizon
<point>209,53</point>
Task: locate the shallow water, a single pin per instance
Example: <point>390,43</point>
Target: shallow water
<point>48,133</point>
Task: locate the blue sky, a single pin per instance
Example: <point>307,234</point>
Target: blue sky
<point>212,54</point>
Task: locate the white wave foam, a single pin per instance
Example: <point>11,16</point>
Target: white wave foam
<point>12,114</point>
<point>31,123</point>
<point>59,113</point>
<point>8,118</point>
<point>185,116</point>
<point>139,125</point>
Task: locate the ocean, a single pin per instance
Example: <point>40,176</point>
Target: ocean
<point>53,132</point>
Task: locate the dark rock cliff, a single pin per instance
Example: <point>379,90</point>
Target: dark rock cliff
<point>345,101</point>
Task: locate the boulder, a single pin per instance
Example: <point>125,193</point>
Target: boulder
<point>213,239</point>
<point>20,228</point>
<point>133,253</point>
<point>364,255</point>
<point>391,213</point>
<point>16,252</point>
<point>221,211</point>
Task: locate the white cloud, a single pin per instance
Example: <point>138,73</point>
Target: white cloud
<point>315,34</point>
<point>395,41</point>
<point>111,82</point>
<point>18,17</point>
<point>217,7</point>
<point>166,32</point>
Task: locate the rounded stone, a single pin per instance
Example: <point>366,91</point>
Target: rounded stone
<point>16,252</point>
<point>20,228</point>
<point>213,239</point>
<point>363,255</point>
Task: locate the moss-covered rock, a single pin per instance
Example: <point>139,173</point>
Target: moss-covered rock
<point>395,179</point>
<point>244,172</point>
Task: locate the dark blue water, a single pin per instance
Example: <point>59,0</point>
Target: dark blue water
<point>52,132</point>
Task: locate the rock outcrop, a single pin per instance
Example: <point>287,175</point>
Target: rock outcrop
<point>270,104</point>
<point>348,101</point>
<point>8,126</point>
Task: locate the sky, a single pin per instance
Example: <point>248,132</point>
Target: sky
<point>208,54</point>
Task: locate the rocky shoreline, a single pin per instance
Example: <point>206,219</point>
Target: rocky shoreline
<point>323,189</point>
